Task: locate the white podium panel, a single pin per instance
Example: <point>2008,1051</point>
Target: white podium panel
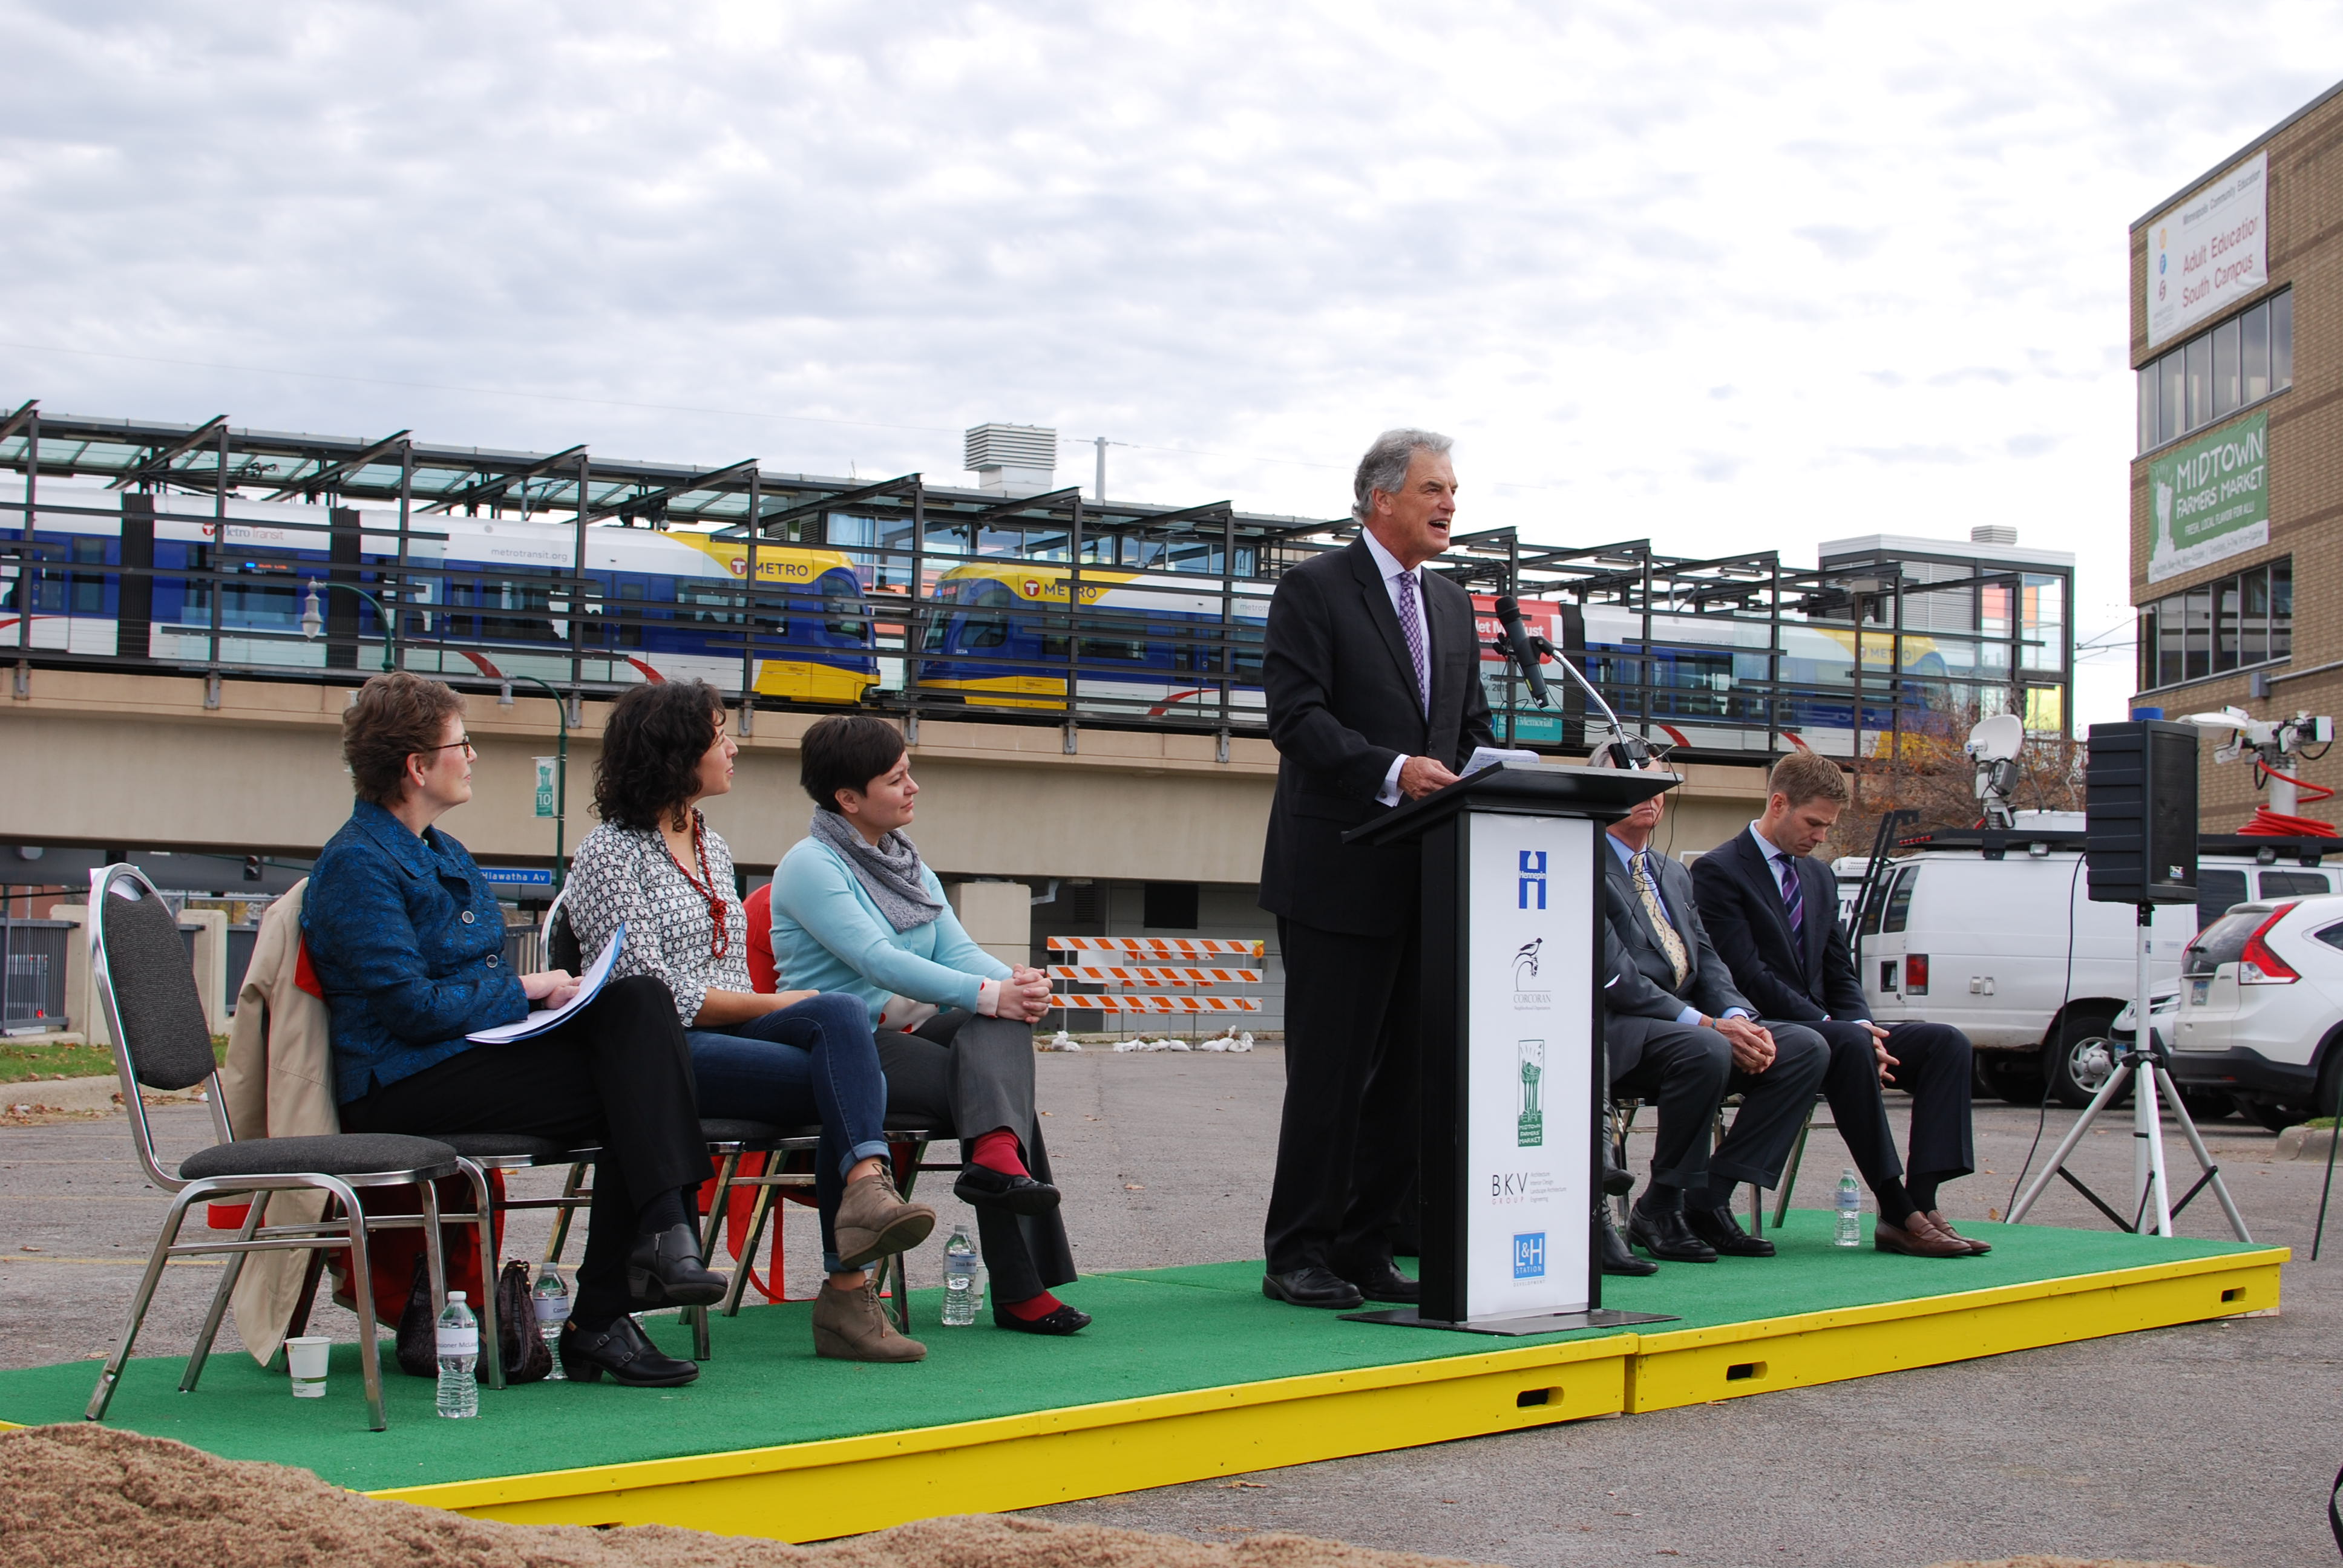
<point>1529,1041</point>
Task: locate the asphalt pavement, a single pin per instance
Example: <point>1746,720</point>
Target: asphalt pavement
<point>2212,1443</point>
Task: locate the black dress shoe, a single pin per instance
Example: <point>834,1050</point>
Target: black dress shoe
<point>1312,1287</point>
<point>1377,1280</point>
<point>985,1188</point>
<point>664,1270</point>
<point>1064,1320</point>
<point>1720,1230</point>
<point>1665,1237</point>
<point>1616,1258</point>
<point>620,1350</point>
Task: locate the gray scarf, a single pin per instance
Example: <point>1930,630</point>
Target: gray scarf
<point>888,870</point>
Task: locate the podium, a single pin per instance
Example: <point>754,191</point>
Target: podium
<point>1511,1165</point>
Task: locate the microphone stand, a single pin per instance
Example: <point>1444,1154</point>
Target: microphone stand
<point>1630,751</point>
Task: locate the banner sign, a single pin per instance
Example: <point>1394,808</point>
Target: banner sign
<point>2209,251</point>
<point>1529,1205</point>
<point>2211,499</point>
<point>545,786</point>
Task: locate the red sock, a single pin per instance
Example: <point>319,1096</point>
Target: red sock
<point>1026,1312</point>
<point>997,1150</point>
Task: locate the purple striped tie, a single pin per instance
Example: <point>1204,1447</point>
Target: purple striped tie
<point>1792,896</point>
<point>1411,625</point>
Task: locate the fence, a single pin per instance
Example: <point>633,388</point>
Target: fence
<point>1158,975</point>
<point>33,974</point>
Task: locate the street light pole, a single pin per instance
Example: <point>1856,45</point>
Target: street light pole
<point>560,766</point>
<point>313,621</point>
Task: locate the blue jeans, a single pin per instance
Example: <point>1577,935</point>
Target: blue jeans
<point>815,1061</point>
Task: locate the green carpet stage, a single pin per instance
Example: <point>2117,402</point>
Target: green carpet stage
<point>1187,1374</point>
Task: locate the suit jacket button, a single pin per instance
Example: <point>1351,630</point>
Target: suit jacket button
<point>468,917</point>
<point>492,960</point>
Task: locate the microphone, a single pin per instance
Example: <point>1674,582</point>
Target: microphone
<point>1517,638</point>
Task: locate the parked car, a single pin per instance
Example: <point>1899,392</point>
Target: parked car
<point>1994,932</point>
<point>2260,1009</point>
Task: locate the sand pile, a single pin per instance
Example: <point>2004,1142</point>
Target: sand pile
<point>89,1497</point>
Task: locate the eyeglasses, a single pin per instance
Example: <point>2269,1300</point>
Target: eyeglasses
<point>465,741</point>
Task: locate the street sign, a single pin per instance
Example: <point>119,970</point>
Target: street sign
<point>545,786</point>
<point>518,876</point>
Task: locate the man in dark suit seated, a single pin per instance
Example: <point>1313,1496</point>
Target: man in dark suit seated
<point>1679,1034</point>
<point>1773,910</point>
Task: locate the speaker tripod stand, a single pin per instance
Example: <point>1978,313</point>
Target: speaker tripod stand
<point>2139,1066</point>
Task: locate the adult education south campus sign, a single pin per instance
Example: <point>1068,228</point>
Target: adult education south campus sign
<point>2211,499</point>
<point>2208,250</point>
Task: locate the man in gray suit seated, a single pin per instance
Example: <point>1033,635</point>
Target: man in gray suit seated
<point>1679,1034</point>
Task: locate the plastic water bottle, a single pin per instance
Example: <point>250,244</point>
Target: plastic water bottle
<point>962,1290</point>
<point>458,1336</point>
<point>549,1299</point>
<point>1850,1210</point>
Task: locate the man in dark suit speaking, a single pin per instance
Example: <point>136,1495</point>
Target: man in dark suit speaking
<point>1371,668</point>
<point>1773,910</point>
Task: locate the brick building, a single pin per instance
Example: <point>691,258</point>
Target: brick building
<point>2237,490</point>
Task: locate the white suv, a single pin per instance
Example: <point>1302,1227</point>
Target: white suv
<point>2260,1009</point>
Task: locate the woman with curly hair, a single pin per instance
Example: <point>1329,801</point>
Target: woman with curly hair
<point>788,1059</point>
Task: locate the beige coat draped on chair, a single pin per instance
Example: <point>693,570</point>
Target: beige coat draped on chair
<point>279,1083</point>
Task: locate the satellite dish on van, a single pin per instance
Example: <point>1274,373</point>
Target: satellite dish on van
<point>1997,740</point>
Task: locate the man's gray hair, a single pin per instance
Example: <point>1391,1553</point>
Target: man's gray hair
<point>1384,467</point>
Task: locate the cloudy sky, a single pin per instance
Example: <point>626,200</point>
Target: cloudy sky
<point>1729,276</point>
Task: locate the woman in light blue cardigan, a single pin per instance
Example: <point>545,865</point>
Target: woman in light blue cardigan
<point>855,910</point>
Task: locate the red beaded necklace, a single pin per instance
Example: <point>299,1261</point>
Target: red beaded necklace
<point>721,943</point>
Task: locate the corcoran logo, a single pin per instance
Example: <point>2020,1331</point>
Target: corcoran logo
<point>1526,962</point>
<point>1532,879</point>
<point>1529,1256</point>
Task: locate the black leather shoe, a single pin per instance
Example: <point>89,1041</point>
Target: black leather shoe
<point>1665,1237</point>
<point>1312,1287</point>
<point>1377,1280</point>
<point>983,1187</point>
<point>1720,1230</point>
<point>620,1350</point>
<point>1616,1258</point>
<point>664,1270</point>
<point>1065,1319</point>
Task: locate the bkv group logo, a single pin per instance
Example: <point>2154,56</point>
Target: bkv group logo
<point>1529,1123</point>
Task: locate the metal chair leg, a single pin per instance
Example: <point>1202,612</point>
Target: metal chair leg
<point>710,1233</point>
<point>484,1236</point>
<point>569,1190</point>
<point>111,1374</point>
<point>1790,1177</point>
<point>256,1205</point>
<point>760,1210</point>
<point>362,1298</point>
<point>891,1268</point>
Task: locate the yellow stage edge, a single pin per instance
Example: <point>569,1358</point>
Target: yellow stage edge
<point>817,1491</point>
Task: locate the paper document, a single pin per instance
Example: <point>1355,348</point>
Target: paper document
<point>1489,756</point>
<point>546,1017</point>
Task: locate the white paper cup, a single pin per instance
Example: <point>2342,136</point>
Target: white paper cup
<point>307,1356</point>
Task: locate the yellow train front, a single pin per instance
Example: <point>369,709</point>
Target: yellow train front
<point>1139,644</point>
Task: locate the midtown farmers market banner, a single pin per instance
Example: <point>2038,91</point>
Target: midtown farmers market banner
<point>2211,499</point>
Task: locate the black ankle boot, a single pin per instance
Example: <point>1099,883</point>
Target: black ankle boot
<point>664,1270</point>
<point>1616,1179</point>
<point>1616,1257</point>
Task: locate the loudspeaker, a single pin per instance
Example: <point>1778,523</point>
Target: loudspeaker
<point>2140,813</point>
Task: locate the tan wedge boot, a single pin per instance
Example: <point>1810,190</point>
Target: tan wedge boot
<point>873,1223</point>
<point>852,1326</point>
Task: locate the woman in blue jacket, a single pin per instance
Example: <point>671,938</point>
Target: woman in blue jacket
<point>855,910</point>
<point>407,941</point>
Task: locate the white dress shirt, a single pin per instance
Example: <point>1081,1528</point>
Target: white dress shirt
<point>1387,566</point>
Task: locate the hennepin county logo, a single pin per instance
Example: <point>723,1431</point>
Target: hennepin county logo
<point>1532,881</point>
<point>1529,1127</point>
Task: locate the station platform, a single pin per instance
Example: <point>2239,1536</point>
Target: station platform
<point>1188,1373</point>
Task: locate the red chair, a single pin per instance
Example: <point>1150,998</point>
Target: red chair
<point>764,975</point>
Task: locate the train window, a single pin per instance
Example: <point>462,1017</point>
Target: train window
<point>1115,648</point>
<point>841,614</point>
<point>630,615</point>
<point>712,602</point>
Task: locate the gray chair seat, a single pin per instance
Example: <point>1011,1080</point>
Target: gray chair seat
<point>730,1130</point>
<point>505,1145</point>
<point>337,1154</point>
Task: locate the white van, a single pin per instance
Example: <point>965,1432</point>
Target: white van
<point>1995,933</point>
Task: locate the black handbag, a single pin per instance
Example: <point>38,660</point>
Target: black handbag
<point>418,1329</point>
<point>523,1354</point>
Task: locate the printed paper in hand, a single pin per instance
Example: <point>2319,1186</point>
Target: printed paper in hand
<point>546,1017</point>
<point>1489,756</point>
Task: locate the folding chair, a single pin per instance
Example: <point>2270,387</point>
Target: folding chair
<point>1623,1122</point>
<point>147,995</point>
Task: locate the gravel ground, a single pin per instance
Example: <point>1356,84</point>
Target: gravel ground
<point>2212,1443</point>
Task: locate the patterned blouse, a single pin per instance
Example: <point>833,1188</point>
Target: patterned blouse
<point>626,874</point>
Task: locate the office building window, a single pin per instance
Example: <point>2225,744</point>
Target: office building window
<point>2233,623</point>
<point>2217,372</point>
